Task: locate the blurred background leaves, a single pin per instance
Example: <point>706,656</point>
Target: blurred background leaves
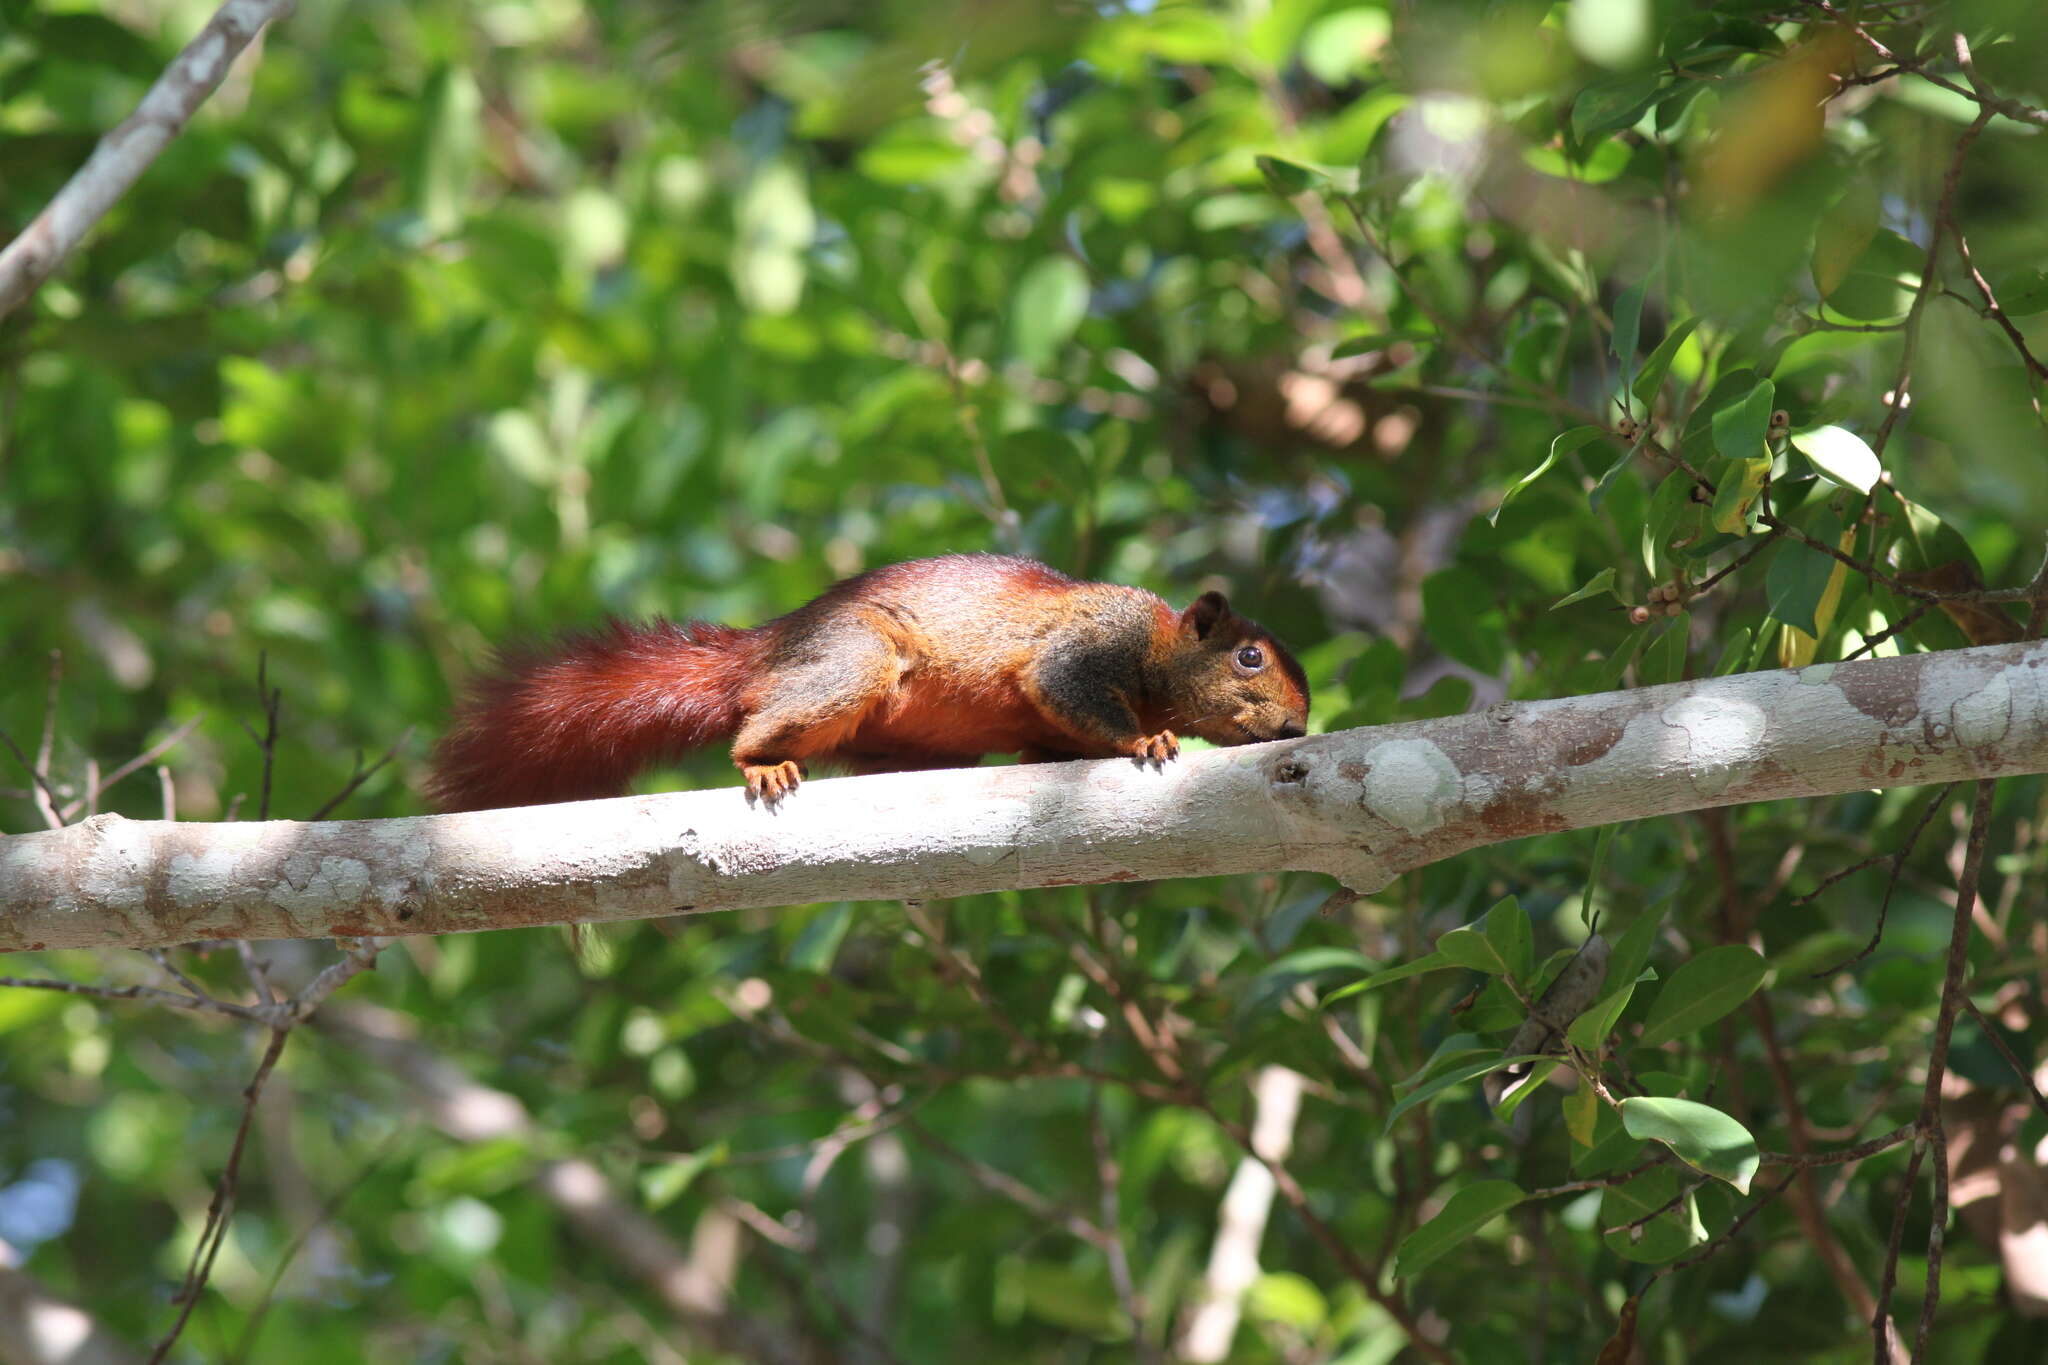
<point>450,324</point>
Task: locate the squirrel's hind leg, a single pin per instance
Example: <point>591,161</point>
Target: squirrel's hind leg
<point>817,689</point>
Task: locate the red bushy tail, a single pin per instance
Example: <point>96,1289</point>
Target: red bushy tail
<point>581,720</point>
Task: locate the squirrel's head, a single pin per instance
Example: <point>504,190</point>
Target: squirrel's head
<point>1235,684</point>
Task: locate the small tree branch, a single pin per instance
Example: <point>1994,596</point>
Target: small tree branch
<point>1241,1222</point>
<point>1362,805</point>
<point>124,154</point>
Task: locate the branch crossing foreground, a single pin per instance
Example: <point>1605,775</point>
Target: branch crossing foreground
<point>1363,805</point>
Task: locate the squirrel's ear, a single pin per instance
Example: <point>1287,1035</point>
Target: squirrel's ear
<point>1205,613</point>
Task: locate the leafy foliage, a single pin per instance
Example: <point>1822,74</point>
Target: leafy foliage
<point>1481,350</point>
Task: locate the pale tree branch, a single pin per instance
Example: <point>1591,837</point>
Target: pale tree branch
<point>126,152</point>
<point>1241,1225</point>
<point>1362,805</point>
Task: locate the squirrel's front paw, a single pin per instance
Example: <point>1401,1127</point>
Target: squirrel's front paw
<point>1156,748</point>
<point>770,782</point>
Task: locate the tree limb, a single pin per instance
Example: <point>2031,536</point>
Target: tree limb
<point>1362,805</point>
<point>124,154</point>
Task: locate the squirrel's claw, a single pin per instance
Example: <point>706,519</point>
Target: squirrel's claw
<point>768,783</point>
<point>1157,748</point>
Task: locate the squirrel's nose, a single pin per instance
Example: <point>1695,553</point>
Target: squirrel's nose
<point>1291,732</point>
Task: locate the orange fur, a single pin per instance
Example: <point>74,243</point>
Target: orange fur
<point>931,663</point>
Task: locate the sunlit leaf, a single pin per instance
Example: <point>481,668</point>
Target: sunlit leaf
<point>1702,1136</point>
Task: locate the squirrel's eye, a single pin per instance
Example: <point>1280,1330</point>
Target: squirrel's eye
<point>1251,658</point>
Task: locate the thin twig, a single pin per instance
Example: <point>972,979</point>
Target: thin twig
<point>47,744</point>
<point>270,699</point>
<point>247,1341</point>
<point>1110,1179</point>
<point>361,775</point>
<point>45,798</point>
<point>1937,1059</point>
<point>2004,1049</point>
<point>1906,622</point>
<point>1882,1331</point>
<point>1742,1220</point>
<point>200,1003</point>
<point>1685,1192</point>
<point>1841,1156</point>
<point>200,1268</point>
<point>1898,862</point>
<point>136,764</point>
<point>1007,1186</point>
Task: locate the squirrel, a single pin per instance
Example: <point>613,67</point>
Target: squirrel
<point>931,663</point>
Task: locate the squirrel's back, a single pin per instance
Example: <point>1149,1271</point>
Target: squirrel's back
<point>928,663</point>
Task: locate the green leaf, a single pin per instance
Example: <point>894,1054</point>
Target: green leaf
<point>1702,1136</point>
<point>819,942</point>
<point>1798,576</point>
<point>1628,324</point>
<point>1841,455</point>
<point>1582,1114</point>
<point>1615,102</point>
<point>1879,283</point>
<point>1453,1052</point>
<point>1051,300</point>
<point>445,161</point>
<point>1632,950</point>
<point>1525,1087</point>
<point>1703,990</point>
<point>1563,445</point>
<point>664,1182</point>
<point>1279,978</point>
<point>1735,498</point>
<point>1447,696</point>
<point>1599,492</point>
<point>1611,1149</point>
<point>1461,616</point>
<point>776,223</point>
<point>1346,43</point>
<point>1462,1074</point>
<point>1593,587</point>
<point>1469,948</point>
<point>1434,962</point>
<point>1664,657</point>
<point>1617,664</point>
<point>1073,1298</point>
<point>1665,1237</point>
<point>1842,234</point>
<point>1508,934</point>
<point>1625,969</point>
<point>1463,1214</point>
<point>1500,946</point>
<point>1740,426</point>
<point>1595,868</point>
<point>1590,1029</point>
<point>1673,516</point>
<point>1734,656</point>
<point>1286,178</point>
<point>1289,1299</point>
<point>1659,363</point>
<point>2023,292</point>
<point>1377,341</point>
